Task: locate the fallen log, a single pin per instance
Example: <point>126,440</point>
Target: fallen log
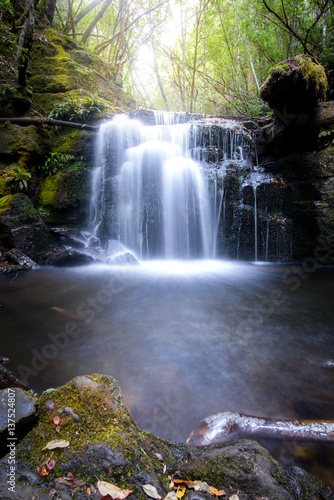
<point>229,425</point>
<point>25,121</point>
<point>7,379</point>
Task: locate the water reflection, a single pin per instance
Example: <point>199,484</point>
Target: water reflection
<point>184,339</point>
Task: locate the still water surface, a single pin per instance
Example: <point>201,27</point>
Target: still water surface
<point>183,339</point>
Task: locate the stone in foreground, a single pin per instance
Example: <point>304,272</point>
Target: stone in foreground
<point>106,443</point>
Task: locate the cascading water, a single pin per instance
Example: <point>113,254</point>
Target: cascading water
<point>178,190</point>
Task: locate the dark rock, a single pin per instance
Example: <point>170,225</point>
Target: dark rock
<point>23,409</point>
<point>19,257</point>
<point>63,257</point>
<point>295,84</point>
<point>22,227</point>
<point>68,410</point>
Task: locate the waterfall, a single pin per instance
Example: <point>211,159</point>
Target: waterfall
<point>177,189</point>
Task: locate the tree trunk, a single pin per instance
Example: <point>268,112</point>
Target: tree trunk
<point>95,21</point>
<point>25,43</point>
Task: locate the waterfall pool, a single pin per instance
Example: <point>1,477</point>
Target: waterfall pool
<point>184,339</point>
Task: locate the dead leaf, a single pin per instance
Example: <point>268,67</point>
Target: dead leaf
<point>74,483</point>
<point>56,420</point>
<point>57,428</point>
<point>44,472</point>
<point>112,490</point>
<point>195,485</point>
<point>151,491</point>
<point>159,456</point>
<point>56,443</point>
<point>164,469</point>
<point>217,493</point>
<point>171,496</point>
<point>234,497</point>
<point>181,492</point>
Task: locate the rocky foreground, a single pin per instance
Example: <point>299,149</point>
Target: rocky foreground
<point>83,444</point>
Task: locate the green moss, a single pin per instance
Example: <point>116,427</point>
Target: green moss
<point>4,187</point>
<point>73,142</point>
<point>16,139</point>
<point>99,424</point>
<point>279,68</point>
<point>59,65</point>
<point>49,189</point>
<point>314,74</point>
<point>5,202</point>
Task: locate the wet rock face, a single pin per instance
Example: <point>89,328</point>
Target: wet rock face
<point>22,228</point>
<point>17,406</point>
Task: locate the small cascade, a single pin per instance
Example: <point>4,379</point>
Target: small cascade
<point>254,179</point>
<point>184,189</point>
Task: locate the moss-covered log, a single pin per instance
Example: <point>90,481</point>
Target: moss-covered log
<point>25,121</point>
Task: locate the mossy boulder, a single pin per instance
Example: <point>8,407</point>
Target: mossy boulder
<point>103,441</point>
<point>64,197</point>
<point>295,84</point>
<point>21,226</point>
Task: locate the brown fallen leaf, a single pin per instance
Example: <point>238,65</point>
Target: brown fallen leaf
<point>195,485</point>
<point>151,491</point>
<point>56,443</point>
<point>112,490</point>
<point>217,493</point>
<point>73,483</point>
<point>44,472</point>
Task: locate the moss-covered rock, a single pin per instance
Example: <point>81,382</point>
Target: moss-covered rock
<point>64,197</point>
<point>16,139</point>
<point>59,66</point>
<point>297,84</point>
<point>104,442</point>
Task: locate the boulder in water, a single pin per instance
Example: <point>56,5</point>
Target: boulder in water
<point>63,257</point>
<point>21,258</point>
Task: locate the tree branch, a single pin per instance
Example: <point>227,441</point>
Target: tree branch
<point>104,45</point>
<point>288,27</point>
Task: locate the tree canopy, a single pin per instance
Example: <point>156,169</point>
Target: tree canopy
<point>207,56</point>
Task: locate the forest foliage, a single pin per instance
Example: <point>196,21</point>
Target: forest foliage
<point>200,56</point>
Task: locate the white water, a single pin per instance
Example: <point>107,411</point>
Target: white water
<point>176,191</point>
